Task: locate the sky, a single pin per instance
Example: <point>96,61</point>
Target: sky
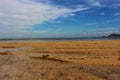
<point>58,18</point>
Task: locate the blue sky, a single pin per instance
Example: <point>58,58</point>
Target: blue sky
<point>58,18</point>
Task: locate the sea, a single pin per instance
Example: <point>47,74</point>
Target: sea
<point>55,39</point>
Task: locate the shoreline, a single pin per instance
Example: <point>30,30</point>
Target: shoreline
<point>59,40</point>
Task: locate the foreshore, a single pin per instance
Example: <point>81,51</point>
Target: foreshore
<point>62,60</point>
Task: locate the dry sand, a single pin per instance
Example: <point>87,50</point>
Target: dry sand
<point>73,60</point>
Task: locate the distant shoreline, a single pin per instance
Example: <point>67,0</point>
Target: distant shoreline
<point>109,37</point>
<point>56,39</point>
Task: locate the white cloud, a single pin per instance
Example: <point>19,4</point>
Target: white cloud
<point>103,3</point>
<point>106,29</point>
<point>95,3</point>
<point>102,13</point>
<point>18,15</point>
<point>117,14</point>
<point>113,20</point>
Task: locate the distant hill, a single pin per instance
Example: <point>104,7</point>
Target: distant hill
<point>114,36</point>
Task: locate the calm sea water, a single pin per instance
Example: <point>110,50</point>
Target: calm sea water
<point>55,39</point>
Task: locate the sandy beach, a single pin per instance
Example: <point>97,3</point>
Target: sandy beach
<point>66,60</point>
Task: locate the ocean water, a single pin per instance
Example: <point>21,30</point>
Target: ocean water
<point>54,39</point>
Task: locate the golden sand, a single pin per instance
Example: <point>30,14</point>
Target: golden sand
<point>65,60</point>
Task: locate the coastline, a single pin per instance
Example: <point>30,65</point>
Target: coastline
<point>57,39</point>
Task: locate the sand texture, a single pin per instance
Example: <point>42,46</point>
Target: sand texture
<point>72,60</point>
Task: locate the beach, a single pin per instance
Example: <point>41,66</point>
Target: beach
<point>60,60</point>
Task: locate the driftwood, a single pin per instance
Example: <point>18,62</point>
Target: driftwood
<point>45,56</point>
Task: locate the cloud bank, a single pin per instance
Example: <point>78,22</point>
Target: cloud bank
<point>18,15</point>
